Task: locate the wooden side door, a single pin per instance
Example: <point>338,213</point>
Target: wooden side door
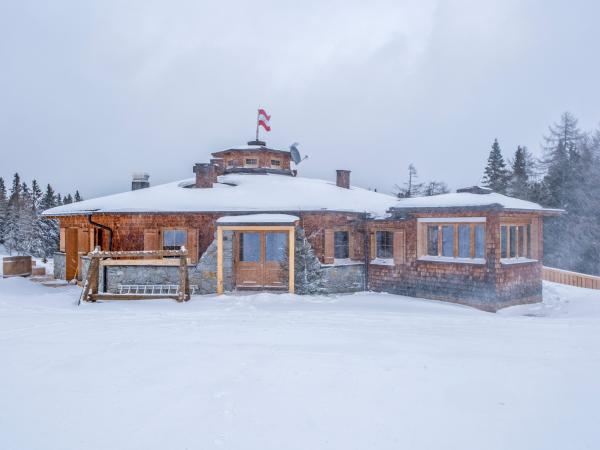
<point>71,252</point>
<point>249,260</point>
<point>275,254</point>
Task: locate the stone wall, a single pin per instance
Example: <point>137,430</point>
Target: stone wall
<point>344,278</point>
<point>60,266</point>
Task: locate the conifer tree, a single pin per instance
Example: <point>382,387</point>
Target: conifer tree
<point>13,236</point>
<point>495,173</point>
<point>77,197</point>
<point>68,199</point>
<point>521,167</point>
<point>3,209</point>
<point>49,228</point>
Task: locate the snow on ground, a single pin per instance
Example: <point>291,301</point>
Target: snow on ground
<point>265,371</point>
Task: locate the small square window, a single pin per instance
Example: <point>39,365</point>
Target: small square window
<point>251,162</point>
<point>275,163</point>
<point>174,239</point>
<point>230,163</point>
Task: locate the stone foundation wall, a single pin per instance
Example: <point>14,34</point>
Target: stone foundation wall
<point>60,265</point>
<point>344,278</point>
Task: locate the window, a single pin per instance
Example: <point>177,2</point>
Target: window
<point>174,239</point>
<point>276,246</point>
<point>385,244</point>
<point>515,241</point>
<point>251,162</point>
<point>250,247</point>
<point>341,247</point>
<point>230,162</point>
<point>275,163</point>
<point>452,238</point>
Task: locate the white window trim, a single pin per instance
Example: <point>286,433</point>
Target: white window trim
<point>452,259</point>
<point>451,220</point>
<point>383,262</point>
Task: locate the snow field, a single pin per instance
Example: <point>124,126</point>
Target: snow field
<point>272,371</point>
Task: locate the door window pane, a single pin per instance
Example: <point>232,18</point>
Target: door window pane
<point>341,248</point>
<point>513,241</point>
<point>448,240</point>
<point>276,245</point>
<point>479,241</point>
<point>174,239</point>
<point>385,244</point>
<point>432,240</point>
<point>250,247</point>
<point>464,241</point>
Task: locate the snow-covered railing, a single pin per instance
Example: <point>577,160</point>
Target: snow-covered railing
<point>571,278</point>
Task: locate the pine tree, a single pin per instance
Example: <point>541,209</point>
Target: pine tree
<point>49,228</point>
<point>13,237</point>
<point>3,209</point>
<point>495,173</point>
<point>77,197</point>
<point>520,174</point>
<point>411,187</point>
<point>435,188</point>
<point>68,199</point>
<point>59,200</point>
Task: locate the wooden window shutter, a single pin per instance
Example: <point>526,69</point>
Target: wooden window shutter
<point>151,240</point>
<point>83,240</point>
<point>329,252</point>
<point>399,247</point>
<point>192,244</point>
<point>373,238</point>
<point>351,245</point>
<point>535,239</point>
<point>62,240</point>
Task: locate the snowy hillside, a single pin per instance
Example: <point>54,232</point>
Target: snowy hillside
<point>364,371</point>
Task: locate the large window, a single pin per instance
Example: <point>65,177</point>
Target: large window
<point>452,238</point>
<point>385,244</point>
<point>515,241</point>
<point>275,163</point>
<point>174,239</point>
<point>251,162</point>
<point>341,245</point>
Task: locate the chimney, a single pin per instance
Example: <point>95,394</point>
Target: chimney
<point>140,181</point>
<point>219,167</point>
<point>343,178</point>
<point>204,175</point>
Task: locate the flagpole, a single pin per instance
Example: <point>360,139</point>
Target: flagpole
<point>257,116</point>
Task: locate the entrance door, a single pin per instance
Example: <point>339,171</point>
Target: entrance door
<point>71,252</point>
<point>259,260</point>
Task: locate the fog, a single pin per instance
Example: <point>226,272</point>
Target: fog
<point>93,91</point>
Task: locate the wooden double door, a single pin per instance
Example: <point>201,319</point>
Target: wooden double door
<point>260,259</point>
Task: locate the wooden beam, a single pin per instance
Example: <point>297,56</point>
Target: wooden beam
<point>291,260</point>
<point>141,262</point>
<point>256,227</point>
<point>109,296</point>
<point>219,260</point>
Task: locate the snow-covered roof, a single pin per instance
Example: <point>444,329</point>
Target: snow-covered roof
<point>467,199</point>
<point>238,192</point>
<point>258,218</point>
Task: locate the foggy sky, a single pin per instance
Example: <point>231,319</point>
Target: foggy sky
<point>93,91</point>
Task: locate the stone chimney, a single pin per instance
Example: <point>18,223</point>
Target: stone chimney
<point>140,181</point>
<point>219,167</point>
<point>343,178</point>
<point>204,175</point>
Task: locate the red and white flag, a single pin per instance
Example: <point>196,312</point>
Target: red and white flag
<point>263,119</point>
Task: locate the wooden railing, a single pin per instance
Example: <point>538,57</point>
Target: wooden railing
<point>570,278</point>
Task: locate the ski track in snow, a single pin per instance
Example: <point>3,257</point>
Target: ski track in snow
<point>265,371</point>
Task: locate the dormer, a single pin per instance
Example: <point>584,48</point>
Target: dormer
<point>255,157</point>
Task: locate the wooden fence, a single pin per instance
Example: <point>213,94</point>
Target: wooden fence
<point>570,278</point>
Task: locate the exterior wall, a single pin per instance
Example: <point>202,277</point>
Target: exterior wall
<point>264,158</point>
<point>488,286</point>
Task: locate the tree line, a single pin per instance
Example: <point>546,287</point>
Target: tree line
<point>22,228</point>
<point>567,177</point>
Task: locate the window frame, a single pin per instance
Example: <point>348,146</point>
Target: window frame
<point>276,163</point>
<point>162,237</point>
<point>335,245</point>
<point>390,245</point>
<point>435,226</point>
<point>250,164</point>
<point>522,230</point>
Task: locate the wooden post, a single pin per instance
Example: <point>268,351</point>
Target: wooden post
<point>291,255</point>
<point>219,260</point>
<point>182,277</point>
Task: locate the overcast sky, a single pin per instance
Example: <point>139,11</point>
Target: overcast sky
<point>93,91</point>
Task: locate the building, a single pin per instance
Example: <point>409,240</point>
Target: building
<point>247,212</point>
